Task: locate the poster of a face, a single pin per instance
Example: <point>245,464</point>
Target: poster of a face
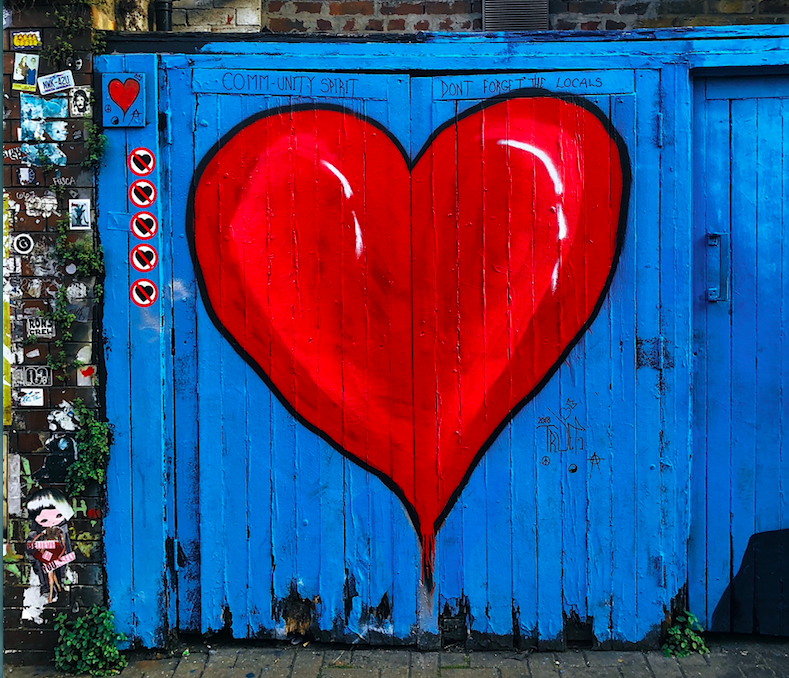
<point>25,72</point>
<point>48,545</point>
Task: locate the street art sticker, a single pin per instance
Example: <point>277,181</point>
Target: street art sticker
<point>141,162</point>
<point>48,545</point>
<point>143,292</point>
<point>123,97</point>
<point>25,72</point>
<point>410,307</point>
<point>144,225</point>
<point>142,193</point>
<point>79,214</point>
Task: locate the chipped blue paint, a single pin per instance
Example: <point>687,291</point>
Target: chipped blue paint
<point>239,512</point>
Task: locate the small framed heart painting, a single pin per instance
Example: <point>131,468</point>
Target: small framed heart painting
<point>123,99</point>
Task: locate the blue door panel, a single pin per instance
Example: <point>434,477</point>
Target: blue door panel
<point>738,540</point>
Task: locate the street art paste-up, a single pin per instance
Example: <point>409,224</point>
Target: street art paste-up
<point>48,545</point>
<point>123,96</point>
<point>405,309</point>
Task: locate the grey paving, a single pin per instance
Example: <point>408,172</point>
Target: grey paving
<point>733,659</point>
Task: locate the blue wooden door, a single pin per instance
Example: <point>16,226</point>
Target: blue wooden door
<point>557,527</point>
<point>739,546</point>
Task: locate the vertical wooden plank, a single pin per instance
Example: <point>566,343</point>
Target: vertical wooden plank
<point>623,379</point>
<point>744,392</point>
<point>120,553</point>
<point>185,401</point>
<point>598,411</point>
<point>783,455</point>
<point>209,402</point>
<point>768,377</point>
<point>649,385</point>
<point>148,434</point>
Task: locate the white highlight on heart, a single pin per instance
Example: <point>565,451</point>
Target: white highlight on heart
<point>555,277</point>
<point>542,156</point>
<point>346,186</point>
<point>358,230</point>
<point>562,222</point>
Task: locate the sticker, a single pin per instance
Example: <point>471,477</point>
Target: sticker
<point>123,99</point>
<point>31,397</point>
<point>143,292</point>
<point>79,103</point>
<point>26,176</point>
<point>144,225</point>
<point>85,375</point>
<point>42,328</point>
<point>144,258</point>
<point>33,375</point>
<point>141,161</point>
<point>23,243</point>
<point>79,214</point>
<point>25,72</point>
<point>56,82</point>
<point>142,193</point>
<point>25,40</point>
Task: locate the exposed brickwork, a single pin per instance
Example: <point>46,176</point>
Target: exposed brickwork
<point>38,199</point>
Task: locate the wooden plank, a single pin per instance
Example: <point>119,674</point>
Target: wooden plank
<point>147,403</point>
<point>120,491</point>
<point>649,386</point>
<point>623,378</point>
<point>743,342</point>
<point>718,349</point>
<point>783,455</point>
<point>185,406</point>
<point>209,402</point>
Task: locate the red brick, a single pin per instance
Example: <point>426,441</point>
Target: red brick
<point>310,7</point>
<point>422,25</point>
<point>351,7</point>
<point>324,25</point>
<point>283,25</point>
<point>274,6</point>
<point>395,25</point>
<point>446,24</point>
<point>375,25</point>
<point>403,8</point>
<point>350,25</point>
<point>590,26</point>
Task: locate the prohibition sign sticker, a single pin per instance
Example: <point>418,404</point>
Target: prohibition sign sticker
<point>144,225</point>
<point>143,292</point>
<point>142,193</point>
<point>141,161</point>
<point>144,258</point>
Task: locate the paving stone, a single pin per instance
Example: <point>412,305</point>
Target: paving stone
<point>222,658</point>
<point>572,658</point>
<point>424,664</point>
<point>27,671</point>
<point>510,664</point>
<point>453,660</point>
<point>469,673</point>
<point>132,670</point>
<point>264,662</point>
<point>720,668</point>
<point>307,664</point>
<point>378,658</point>
<point>662,666</point>
<point>349,672</point>
<point>160,668</point>
<point>191,666</point>
<point>543,666</point>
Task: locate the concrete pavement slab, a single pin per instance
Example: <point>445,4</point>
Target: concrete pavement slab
<point>222,657</point>
<point>307,664</point>
<point>264,662</point>
<point>544,665</point>
<point>469,673</point>
<point>424,665</point>
<point>191,666</point>
<point>159,668</point>
<point>571,659</point>
<point>662,666</point>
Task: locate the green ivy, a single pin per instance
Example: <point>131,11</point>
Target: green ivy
<point>95,145</point>
<point>93,447</point>
<point>61,316</point>
<point>89,644</point>
<point>88,259</point>
<point>683,638</point>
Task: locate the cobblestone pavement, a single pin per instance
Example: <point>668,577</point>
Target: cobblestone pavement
<point>741,659</point>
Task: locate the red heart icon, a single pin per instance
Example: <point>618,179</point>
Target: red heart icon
<point>124,93</point>
<point>405,314</point>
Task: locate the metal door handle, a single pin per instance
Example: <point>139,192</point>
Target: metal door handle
<point>718,261</point>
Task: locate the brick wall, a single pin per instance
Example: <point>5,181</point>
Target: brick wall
<point>409,16</point>
<point>40,435</point>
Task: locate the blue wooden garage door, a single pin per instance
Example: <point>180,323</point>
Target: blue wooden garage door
<point>739,547</point>
<point>569,527</point>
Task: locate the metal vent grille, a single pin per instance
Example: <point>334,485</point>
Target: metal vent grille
<point>514,15</point>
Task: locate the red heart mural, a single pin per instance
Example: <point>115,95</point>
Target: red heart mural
<point>406,310</point>
<point>123,93</point>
